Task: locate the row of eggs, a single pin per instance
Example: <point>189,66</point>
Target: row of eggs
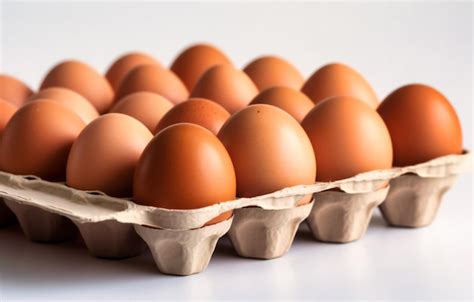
<point>185,137</point>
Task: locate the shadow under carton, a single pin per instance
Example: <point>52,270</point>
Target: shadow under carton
<point>343,217</point>
<point>413,201</point>
<point>6,215</point>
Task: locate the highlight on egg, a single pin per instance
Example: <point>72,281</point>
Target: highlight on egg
<point>348,138</point>
<point>202,112</point>
<point>192,62</point>
<point>271,71</point>
<point>338,79</point>
<point>296,103</point>
<point>105,154</point>
<point>147,107</point>
<point>185,166</point>
<point>226,85</point>
<point>423,124</point>
<point>13,90</point>
<point>269,149</point>
<point>83,79</point>
<point>71,99</point>
<point>124,64</point>
<point>156,79</point>
<point>37,139</point>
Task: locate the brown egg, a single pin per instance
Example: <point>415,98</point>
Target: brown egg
<point>296,103</point>
<point>38,138</point>
<point>271,71</point>
<point>6,112</point>
<point>13,90</point>
<point>71,99</point>
<point>227,86</point>
<point>82,79</point>
<point>147,107</point>
<point>348,138</point>
<point>202,112</point>
<point>339,80</point>
<point>195,60</point>
<point>422,124</point>
<point>269,149</point>
<point>153,78</point>
<point>185,166</point>
<point>119,69</point>
<point>105,155</point>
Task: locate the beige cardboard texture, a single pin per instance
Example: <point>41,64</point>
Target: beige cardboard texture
<point>86,207</point>
<point>40,225</point>
<point>111,239</point>
<point>341,217</point>
<point>186,252</point>
<point>266,234</point>
<point>413,201</point>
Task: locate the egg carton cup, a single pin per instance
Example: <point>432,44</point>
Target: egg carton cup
<point>45,211</point>
<point>6,215</point>
<point>341,217</point>
<point>413,201</point>
<point>183,252</point>
<point>266,234</point>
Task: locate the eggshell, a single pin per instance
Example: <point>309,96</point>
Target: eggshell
<point>13,90</point>
<point>271,71</point>
<point>6,112</point>
<point>153,78</point>
<point>269,149</point>
<point>202,112</point>
<point>147,107</point>
<point>185,166</point>
<point>422,124</point>
<point>105,155</point>
<point>119,68</point>
<point>339,80</point>
<point>296,103</point>
<point>190,64</point>
<point>348,138</point>
<point>38,138</point>
<point>227,86</point>
<point>71,99</point>
<point>82,79</point>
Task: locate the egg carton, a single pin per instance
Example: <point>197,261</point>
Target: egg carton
<point>261,227</point>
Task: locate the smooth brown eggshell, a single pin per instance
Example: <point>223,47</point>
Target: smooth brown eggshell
<point>71,99</point>
<point>13,90</point>
<point>422,123</point>
<point>190,64</point>
<point>271,71</point>
<point>339,80</point>
<point>227,86</point>
<point>348,138</point>
<point>269,149</point>
<point>296,103</point>
<point>82,79</point>
<point>202,112</point>
<point>156,79</point>
<point>120,67</point>
<point>6,112</point>
<point>185,166</point>
<point>147,107</point>
<point>38,138</point>
<point>105,155</point>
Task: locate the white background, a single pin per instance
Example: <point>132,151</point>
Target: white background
<point>390,43</point>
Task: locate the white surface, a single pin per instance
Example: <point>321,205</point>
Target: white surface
<point>390,43</point>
